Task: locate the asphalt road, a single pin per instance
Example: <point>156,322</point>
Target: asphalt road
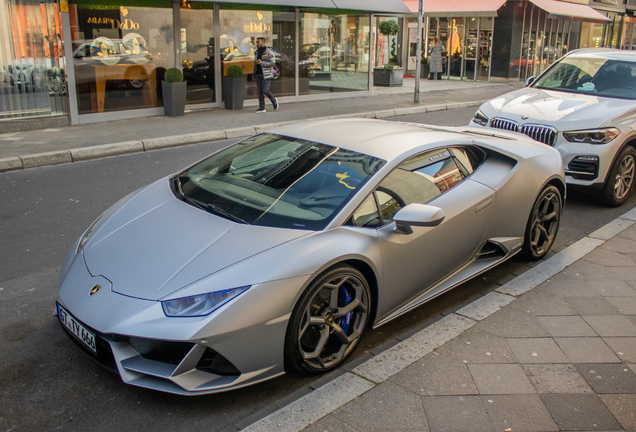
<point>47,384</point>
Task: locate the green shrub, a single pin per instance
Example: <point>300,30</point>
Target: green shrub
<point>389,28</point>
<point>235,71</point>
<point>173,75</point>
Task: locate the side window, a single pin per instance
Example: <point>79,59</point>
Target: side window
<point>421,179</point>
<point>468,158</point>
<point>366,215</point>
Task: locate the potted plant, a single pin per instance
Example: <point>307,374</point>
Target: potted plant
<point>388,76</point>
<point>425,68</point>
<point>390,28</point>
<point>173,89</point>
<point>234,88</point>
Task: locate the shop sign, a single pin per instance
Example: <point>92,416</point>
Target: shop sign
<point>610,2</point>
<point>127,24</point>
<point>257,27</point>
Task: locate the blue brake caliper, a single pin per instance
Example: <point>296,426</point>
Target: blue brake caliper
<point>344,298</point>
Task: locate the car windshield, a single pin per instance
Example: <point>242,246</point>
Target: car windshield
<point>594,76</point>
<point>277,181</point>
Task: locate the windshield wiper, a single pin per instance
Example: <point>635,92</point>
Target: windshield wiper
<point>211,208</point>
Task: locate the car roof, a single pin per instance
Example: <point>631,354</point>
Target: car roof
<point>379,138</point>
<point>604,53</point>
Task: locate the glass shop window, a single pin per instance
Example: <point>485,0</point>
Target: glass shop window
<point>120,54</point>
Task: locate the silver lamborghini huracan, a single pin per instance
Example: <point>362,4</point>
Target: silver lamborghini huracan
<point>277,253</point>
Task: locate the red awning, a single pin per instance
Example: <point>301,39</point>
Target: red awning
<point>455,8</point>
<point>571,10</point>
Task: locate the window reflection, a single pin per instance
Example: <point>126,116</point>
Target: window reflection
<point>119,54</point>
<point>334,52</point>
<point>423,178</point>
<point>239,30</point>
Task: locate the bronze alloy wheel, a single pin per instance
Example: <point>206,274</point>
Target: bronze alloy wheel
<point>328,320</point>
<point>624,177</point>
<point>543,224</point>
<point>620,179</point>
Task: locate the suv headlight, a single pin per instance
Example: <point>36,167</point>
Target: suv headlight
<point>201,304</point>
<point>592,136</point>
<point>480,118</point>
<point>86,236</point>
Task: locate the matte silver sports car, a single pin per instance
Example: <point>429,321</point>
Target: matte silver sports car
<point>279,251</point>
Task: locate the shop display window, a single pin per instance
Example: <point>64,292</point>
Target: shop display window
<point>334,52</point>
<point>197,51</point>
<point>32,65</point>
<point>239,29</point>
<point>120,54</point>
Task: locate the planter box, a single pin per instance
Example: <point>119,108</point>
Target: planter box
<point>387,78</point>
<point>425,71</point>
<point>174,97</point>
<point>234,92</point>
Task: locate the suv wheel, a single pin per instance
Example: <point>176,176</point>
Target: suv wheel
<point>620,180</point>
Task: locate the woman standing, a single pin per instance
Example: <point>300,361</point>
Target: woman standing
<point>436,60</point>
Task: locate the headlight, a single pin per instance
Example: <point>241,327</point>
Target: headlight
<point>592,136</point>
<point>200,305</point>
<point>87,234</point>
<point>480,118</point>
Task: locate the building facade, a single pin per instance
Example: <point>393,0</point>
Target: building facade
<point>85,61</point>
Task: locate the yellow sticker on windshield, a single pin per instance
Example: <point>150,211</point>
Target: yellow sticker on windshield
<point>342,177</point>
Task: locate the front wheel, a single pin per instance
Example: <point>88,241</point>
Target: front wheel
<point>620,179</point>
<point>543,224</point>
<point>328,320</point>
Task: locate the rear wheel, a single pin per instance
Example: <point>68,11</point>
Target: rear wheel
<point>620,179</point>
<point>328,320</point>
<point>543,224</point>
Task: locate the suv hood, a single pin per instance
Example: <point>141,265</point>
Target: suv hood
<point>564,111</point>
<point>156,244</point>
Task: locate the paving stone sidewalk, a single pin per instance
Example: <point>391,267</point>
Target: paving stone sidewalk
<point>561,357</point>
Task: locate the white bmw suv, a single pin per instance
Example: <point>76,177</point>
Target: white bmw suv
<point>584,105</point>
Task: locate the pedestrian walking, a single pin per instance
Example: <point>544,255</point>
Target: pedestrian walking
<point>264,71</point>
<point>436,60</point>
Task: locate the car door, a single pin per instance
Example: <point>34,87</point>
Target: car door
<point>413,263</point>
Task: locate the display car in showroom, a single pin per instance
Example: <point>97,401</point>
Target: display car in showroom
<point>584,105</point>
<point>278,252</point>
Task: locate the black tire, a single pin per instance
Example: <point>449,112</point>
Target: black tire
<point>322,332</point>
<point>620,180</point>
<point>543,224</point>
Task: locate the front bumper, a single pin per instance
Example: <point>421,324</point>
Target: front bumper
<point>580,168</point>
<point>240,344</point>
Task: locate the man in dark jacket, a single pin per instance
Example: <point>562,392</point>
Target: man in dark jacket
<point>264,64</point>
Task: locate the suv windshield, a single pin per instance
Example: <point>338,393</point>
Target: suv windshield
<point>594,76</point>
<point>277,181</point>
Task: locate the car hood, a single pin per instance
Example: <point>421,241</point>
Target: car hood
<point>565,111</point>
<point>156,244</point>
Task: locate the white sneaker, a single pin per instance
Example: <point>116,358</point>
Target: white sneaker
<point>276,104</point>
<point>258,111</point>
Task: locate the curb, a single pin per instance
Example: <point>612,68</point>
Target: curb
<point>322,401</point>
<point>96,152</point>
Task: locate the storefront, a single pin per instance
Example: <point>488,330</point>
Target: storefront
<point>629,28</point>
<point>121,51</point>
<point>32,67</point>
<point>465,30</point>
<point>540,32</point>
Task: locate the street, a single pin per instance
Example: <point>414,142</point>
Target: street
<point>46,383</point>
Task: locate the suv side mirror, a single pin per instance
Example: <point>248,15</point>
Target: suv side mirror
<point>415,214</point>
<point>530,80</point>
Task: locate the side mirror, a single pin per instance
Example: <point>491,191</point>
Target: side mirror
<point>421,215</point>
<point>530,80</point>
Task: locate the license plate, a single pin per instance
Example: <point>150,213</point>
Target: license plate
<point>84,335</point>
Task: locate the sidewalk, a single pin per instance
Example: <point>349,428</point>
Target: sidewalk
<point>28,149</point>
<point>553,349</point>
